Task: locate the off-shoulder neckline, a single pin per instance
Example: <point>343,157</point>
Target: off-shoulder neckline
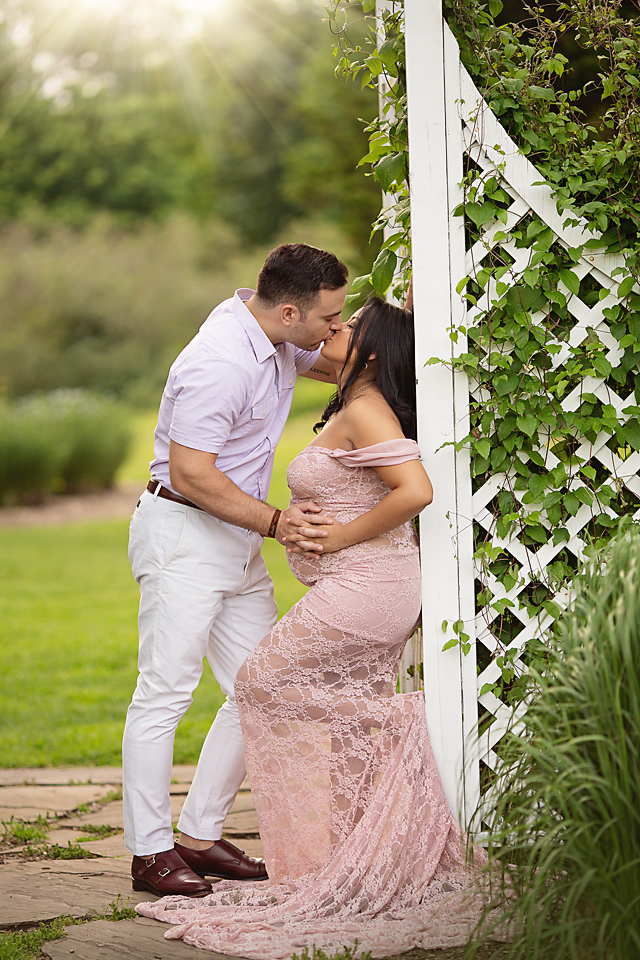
<point>381,443</point>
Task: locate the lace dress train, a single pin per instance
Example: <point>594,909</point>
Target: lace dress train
<point>356,831</point>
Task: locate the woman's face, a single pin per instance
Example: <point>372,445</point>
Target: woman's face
<point>335,350</point>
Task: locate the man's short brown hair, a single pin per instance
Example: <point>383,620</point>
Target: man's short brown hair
<point>296,273</point>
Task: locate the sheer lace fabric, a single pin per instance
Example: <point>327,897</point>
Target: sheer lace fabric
<point>357,835</point>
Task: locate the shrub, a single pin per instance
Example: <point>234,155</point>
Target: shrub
<point>28,458</point>
<point>567,833</point>
<point>68,441</point>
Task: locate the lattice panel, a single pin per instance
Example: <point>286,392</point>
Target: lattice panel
<point>490,152</point>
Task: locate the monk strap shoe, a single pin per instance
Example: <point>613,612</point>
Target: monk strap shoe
<point>167,874</point>
<point>225,861</point>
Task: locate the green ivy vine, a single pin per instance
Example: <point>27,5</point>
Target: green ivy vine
<point>522,430</point>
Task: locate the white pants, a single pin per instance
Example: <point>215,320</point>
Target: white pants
<point>204,591</point>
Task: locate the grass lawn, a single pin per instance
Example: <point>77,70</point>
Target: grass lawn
<point>68,638</point>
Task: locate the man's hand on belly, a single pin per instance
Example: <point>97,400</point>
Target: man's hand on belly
<point>194,475</point>
<point>299,527</point>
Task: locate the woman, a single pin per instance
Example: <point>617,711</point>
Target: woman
<point>358,839</point>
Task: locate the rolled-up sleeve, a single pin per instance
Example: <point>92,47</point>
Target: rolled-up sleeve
<point>210,395</point>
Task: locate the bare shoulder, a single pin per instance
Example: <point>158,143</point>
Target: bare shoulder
<point>369,419</point>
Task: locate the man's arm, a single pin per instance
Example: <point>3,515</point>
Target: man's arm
<point>321,370</point>
<point>195,476</point>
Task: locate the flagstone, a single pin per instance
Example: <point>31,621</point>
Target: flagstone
<point>141,938</point>
<point>36,891</point>
<point>29,802</point>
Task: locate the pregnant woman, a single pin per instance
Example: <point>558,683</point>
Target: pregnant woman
<point>358,839</point>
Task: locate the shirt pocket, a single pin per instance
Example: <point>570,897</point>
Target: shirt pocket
<point>263,409</point>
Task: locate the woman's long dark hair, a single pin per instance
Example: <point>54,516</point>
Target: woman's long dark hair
<point>385,332</point>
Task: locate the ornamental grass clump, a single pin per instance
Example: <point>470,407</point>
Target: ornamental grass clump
<point>92,433</point>
<point>68,441</point>
<point>566,810</point>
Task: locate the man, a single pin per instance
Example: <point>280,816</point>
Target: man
<point>195,551</point>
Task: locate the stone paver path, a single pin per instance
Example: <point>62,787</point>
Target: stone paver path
<point>103,940</point>
<point>34,889</point>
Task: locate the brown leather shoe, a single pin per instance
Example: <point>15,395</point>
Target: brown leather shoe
<point>167,873</point>
<point>225,861</point>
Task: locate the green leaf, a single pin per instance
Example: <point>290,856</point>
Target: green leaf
<point>480,213</point>
<point>552,608</point>
<point>570,280</point>
<point>534,228</point>
<point>389,54</point>
<point>584,494</point>
<point>505,384</point>
<point>445,626</point>
<point>625,288</point>
<point>505,427</point>
<point>528,425</point>
<point>361,283</point>
<point>571,503</point>
<point>374,64</point>
<point>542,93</point>
<point>450,644</point>
<point>353,298</point>
<point>483,447</point>
<point>537,533</point>
<point>601,366</point>
<point>604,521</point>
<point>560,535</point>
<point>537,484</point>
<point>391,169</point>
<point>486,688</point>
<point>383,270</point>
<point>632,433</point>
<point>495,7</point>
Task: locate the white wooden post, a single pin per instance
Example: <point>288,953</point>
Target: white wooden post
<point>438,254</point>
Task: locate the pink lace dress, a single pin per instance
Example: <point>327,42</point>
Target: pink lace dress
<point>357,835</point>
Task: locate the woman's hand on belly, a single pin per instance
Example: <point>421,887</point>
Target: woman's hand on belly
<point>333,540</point>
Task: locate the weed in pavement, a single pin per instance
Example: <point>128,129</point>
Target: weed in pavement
<point>97,831</point>
<point>53,851</point>
<point>118,909</point>
<point>16,832</point>
<point>25,945</point>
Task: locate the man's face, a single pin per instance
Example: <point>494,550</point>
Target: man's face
<point>322,320</point>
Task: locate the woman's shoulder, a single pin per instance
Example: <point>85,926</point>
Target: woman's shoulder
<point>368,419</point>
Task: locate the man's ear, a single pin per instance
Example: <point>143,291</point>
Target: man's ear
<point>289,314</point>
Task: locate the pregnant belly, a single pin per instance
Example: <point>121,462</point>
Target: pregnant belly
<point>371,592</point>
<point>371,557</point>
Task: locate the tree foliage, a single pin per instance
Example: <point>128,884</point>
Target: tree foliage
<point>138,111</point>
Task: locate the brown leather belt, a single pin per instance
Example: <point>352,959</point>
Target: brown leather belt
<point>153,485</point>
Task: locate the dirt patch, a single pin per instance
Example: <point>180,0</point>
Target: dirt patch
<point>106,505</point>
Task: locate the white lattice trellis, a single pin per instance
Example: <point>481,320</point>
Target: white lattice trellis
<point>448,119</point>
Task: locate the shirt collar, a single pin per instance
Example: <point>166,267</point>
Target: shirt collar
<point>260,343</point>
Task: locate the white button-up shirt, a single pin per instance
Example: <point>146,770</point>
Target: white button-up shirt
<point>229,392</point>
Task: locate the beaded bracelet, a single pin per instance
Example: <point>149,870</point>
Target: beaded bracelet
<point>273,526</point>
